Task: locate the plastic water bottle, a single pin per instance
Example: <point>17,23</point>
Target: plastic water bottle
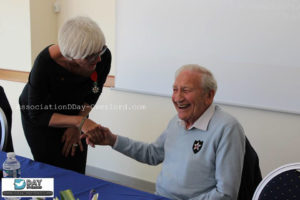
<point>11,166</point>
<point>11,169</point>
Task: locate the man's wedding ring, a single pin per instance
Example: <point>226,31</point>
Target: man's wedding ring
<point>75,145</point>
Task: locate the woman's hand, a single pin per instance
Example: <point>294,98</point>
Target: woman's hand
<point>71,138</point>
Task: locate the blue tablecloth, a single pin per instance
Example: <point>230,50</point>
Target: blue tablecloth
<point>78,183</point>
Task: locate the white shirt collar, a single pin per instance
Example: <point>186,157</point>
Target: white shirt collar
<point>203,121</point>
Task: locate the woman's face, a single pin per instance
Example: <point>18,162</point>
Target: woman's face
<point>88,64</point>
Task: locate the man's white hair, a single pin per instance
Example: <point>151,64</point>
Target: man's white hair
<point>80,37</point>
<point>208,81</point>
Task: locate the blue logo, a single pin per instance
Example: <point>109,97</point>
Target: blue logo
<point>19,184</point>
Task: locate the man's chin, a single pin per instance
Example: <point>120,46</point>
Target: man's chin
<point>182,117</point>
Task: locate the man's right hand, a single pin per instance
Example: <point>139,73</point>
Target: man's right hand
<point>100,136</point>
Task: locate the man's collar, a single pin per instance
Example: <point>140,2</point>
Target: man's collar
<point>203,121</point>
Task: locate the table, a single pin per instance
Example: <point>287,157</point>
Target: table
<point>78,183</point>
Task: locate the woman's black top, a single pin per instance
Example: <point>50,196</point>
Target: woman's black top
<point>53,89</point>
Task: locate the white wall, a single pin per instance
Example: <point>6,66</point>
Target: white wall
<point>26,27</point>
<point>231,38</point>
<point>274,135</point>
<point>15,48</point>
<point>13,91</point>
<point>43,21</point>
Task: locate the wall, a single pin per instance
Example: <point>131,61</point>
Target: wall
<point>15,48</point>
<point>43,25</point>
<point>274,135</point>
<point>232,38</point>
<point>13,91</point>
<point>26,27</point>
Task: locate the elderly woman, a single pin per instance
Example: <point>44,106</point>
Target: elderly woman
<point>65,82</point>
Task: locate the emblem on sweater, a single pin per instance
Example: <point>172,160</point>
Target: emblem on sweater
<point>197,146</point>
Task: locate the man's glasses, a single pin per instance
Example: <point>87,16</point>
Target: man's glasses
<point>93,57</point>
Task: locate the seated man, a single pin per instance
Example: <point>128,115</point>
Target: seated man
<point>202,149</point>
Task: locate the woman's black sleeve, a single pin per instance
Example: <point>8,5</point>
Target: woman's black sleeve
<point>39,108</point>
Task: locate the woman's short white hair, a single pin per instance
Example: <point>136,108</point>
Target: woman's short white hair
<point>208,82</point>
<point>80,37</point>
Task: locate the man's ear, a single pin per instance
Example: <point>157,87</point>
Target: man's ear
<point>210,97</point>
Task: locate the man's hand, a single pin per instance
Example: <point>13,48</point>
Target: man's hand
<point>100,136</point>
<point>71,137</point>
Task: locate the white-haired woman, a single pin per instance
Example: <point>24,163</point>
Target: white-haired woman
<point>65,82</point>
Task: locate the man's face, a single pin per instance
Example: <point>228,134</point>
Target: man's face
<point>189,98</point>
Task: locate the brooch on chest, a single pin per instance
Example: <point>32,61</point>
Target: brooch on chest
<point>94,78</point>
<point>197,146</point>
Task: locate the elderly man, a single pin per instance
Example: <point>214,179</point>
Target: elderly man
<point>202,149</point>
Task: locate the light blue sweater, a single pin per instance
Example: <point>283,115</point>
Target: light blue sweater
<point>214,172</point>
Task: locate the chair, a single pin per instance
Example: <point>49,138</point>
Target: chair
<point>251,174</point>
<point>282,183</point>
<point>6,143</point>
<point>3,129</point>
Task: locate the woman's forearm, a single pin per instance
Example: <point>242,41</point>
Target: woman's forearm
<point>86,110</point>
<point>60,120</point>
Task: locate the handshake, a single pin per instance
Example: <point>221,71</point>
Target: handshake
<point>99,135</point>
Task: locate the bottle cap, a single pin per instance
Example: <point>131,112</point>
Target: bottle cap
<point>10,154</point>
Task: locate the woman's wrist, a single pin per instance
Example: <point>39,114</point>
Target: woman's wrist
<point>83,119</point>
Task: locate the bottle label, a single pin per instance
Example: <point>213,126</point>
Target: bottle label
<point>12,173</point>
